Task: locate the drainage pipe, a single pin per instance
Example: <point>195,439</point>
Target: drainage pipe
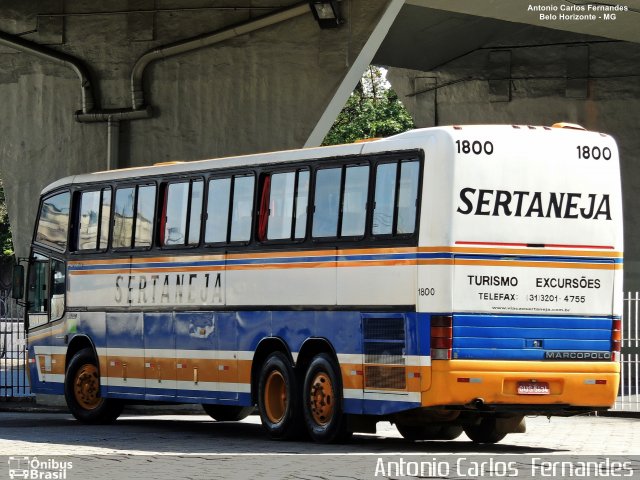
<point>206,40</point>
<point>17,43</point>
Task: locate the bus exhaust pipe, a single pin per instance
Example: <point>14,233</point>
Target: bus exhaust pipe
<point>476,404</point>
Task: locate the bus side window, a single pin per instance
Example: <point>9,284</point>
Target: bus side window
<point>354,201</point>
<point>302,202</point>
<point>385,194</point>
<point>53,222</point>
<point>195,212</point>
<point>281,205</point>
<point>145,210</point>
<point>408,197</point>
<point>105,215</point>
<point>123,218</point>
<point>182,213</point>
<point>93,229</point>
<point>134,204</point>
<point>89,220</point>
<point>242,209</point>
<point>327,202</point>
<point>175,211</point>
<point>217,210</point>
<point>396,198</point>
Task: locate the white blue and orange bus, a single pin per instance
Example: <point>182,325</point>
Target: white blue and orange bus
<point>447,279</point>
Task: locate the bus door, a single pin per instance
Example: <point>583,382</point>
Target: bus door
<point>159,356</point>
<point>46,305</point>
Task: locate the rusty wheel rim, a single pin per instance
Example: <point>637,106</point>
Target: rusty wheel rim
<point>322,398</point>
<point>86,387</point>
<point>275,397</point>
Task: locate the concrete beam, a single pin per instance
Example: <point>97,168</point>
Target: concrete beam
<point>622,26</point>
<point>267,90</point>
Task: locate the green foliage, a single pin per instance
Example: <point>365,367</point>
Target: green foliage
<point>372,110</point>
<point>6,247</point>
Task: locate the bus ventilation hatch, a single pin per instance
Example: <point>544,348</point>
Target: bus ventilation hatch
<point>384,349</point>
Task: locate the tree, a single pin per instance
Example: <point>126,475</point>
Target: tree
<point>372,110</point>
<point>6,246</point>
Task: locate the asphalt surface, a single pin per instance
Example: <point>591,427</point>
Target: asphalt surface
<point>194,446</point>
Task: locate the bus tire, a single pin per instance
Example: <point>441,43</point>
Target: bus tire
<point>485,431</point>
<point>279,398</point>
<point>429,432</point>
<point>82,391</point>
<point>227,413</point>
<point>322,402</point>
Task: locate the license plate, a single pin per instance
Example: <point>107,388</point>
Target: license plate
<point>533,388</point>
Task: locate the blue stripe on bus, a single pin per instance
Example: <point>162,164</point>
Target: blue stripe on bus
<point>521,343</point>
<point>538,258</point>
<point>342,258</point>
<point>243,330</point>
<point>526,337</point>
<point>532,321</point>
<point>536,333</point>
<point>494,354</point>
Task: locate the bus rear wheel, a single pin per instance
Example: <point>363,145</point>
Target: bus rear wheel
<point>82,391</point>
<point>322,401</point>
<point>485,432</point>
<point>227,413</point>
<point>279,397</point>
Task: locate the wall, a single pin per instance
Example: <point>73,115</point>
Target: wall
<point>259,92</point>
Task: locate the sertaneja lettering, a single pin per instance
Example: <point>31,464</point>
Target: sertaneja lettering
<point>519,203</point>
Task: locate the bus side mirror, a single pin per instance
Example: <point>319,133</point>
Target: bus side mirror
<point>17,285</point>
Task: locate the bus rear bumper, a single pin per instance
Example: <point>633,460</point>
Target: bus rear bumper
<point>532,387</point>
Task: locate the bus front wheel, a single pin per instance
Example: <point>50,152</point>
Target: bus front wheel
<point>82,391</point>
<point>279,397</point>
<point>322,401</point>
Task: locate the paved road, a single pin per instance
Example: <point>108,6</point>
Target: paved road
<point>194,446</point>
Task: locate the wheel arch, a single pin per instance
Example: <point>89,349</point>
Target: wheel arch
<point>311,347</point>
<point>266,347</point>
<point>77,343</point>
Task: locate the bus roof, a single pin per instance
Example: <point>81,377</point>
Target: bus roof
<point>410,139</point>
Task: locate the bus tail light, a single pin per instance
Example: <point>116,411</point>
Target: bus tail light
<point>616,339</point>
<point>441,337</point>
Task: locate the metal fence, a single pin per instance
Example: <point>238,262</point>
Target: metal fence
<point>14,381</point>
<point>629,394</point>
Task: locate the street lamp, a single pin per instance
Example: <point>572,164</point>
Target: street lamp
<point>326,13</point>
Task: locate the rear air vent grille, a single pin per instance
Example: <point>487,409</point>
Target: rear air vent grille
<point>384,353</point>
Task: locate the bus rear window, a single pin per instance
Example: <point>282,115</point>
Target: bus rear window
<point>53,223</point>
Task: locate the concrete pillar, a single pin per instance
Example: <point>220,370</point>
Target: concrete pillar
<point>593,83</point>
<point>274,88</point>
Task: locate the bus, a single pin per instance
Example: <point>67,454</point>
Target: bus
<point>448,280</point>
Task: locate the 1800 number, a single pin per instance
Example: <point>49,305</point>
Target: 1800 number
<point>585,152</point>
<point>476,147</point>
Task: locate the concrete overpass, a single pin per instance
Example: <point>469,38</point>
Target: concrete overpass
<point>88,86</point>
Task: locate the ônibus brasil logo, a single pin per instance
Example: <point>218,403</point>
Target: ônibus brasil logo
<point>33,468</point>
